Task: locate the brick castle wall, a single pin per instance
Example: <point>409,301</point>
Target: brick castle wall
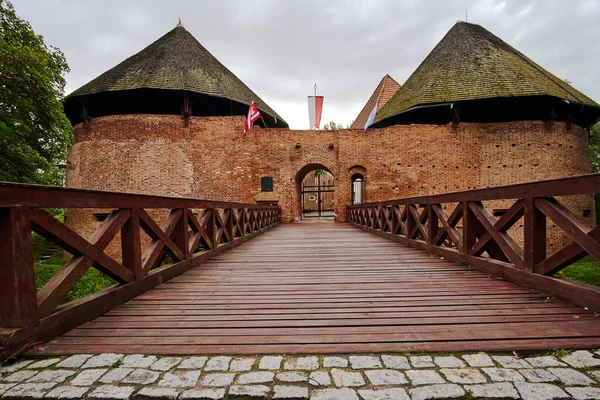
<point>212,159</point>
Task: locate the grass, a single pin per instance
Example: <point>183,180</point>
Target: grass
<point>586,270</point>
<point>92,281</point>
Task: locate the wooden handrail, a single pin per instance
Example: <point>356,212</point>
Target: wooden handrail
<point>580,184</point>
<point>192,232</point>
<point>472,235</point>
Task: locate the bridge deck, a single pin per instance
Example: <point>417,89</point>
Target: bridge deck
<point>331,288</point>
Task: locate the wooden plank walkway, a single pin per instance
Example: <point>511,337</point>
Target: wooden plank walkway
<point>331,288</point>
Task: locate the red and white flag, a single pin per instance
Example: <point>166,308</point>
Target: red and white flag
<point>253,115</point>
<point>315,107</point>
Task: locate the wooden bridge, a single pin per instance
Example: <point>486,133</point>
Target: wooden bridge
<point>457,282</point>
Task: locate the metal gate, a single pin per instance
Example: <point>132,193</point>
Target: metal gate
<point>317,197</point>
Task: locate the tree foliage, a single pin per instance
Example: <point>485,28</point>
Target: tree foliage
<point>332,126</point>
<point>34,131</point>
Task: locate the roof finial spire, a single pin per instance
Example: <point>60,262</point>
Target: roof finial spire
<point>179,24</point>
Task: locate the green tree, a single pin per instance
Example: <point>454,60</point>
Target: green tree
<point>35,134</point>
<point>332,126</point>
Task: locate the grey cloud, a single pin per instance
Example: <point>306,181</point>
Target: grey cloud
<point>281,48</point>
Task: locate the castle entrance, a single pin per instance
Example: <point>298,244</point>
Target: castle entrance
<point>317,194</point>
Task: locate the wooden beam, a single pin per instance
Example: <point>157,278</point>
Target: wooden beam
<point>18,304</point>
<point>534,236</point>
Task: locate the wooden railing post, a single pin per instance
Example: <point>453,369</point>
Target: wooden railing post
<point>228,212</point>
<point>211,227</point>
<point>469,228</point>
<point>432,227</point>
<point>534,235</point>
<point>131,246</point>
<point>18,302</point>
<point>181,234</point>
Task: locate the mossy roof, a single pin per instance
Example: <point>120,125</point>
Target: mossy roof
<point>471,63</point>
<point>383,92</point>
<point>176,61</point>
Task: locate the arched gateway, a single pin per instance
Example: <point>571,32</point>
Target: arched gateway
<point>316,192</point>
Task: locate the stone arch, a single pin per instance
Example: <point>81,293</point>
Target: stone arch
<point>301,169</point>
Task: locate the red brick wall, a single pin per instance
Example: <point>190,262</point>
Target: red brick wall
<point>212,159</point>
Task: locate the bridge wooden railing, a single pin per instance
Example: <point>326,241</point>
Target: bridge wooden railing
<point>471,234</point>
<point>192,232</point>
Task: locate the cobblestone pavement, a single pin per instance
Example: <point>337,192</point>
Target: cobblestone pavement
<point>556,375</point>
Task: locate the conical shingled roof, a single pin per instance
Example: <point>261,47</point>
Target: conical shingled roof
<point>471,63</point>
<point>176,61</point>
<point>384,92</point>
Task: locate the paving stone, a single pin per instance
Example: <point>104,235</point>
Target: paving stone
<point>142,377</point>
<point>424,377</point>
<point>51,375</point>
<point>88,377</point>
<point>203,394</point>
<point>220,363</point>
<point>20,376</point>
<point>188,379</point>
<point>112,392</point>
<point>386,377</point>
<point>193,363</point>
<point>582,359</point>
<point>463,375</point>
<point>75,361</point>
<point>5,386</point>
<point>596,374</point>
<point>15,367</point>
<point>347,379</point>
<point>364,362</point>
<point>503,374</point>
<point>395,362</point>
<point>28,390</point>
<point>540,391</point>
<point>571,377</point>
<point>334,394</point>
<point>449,362</point>
<point>138,361</point>
<point>384,394</point>
<point>67,392</point>
<point>255,377</point>
<point>156,393</point>
<point>538,375</point>
<point>511,362</point>
<point>422,362</point>
<point>291,377</point>
<point>504,390</point>
<point>103,360</point>
<point>44,363</point>
<point>270,362</point>
<point>242,364</point>
<point>584,393</point>
<point>165,364</point>
<point>290,392</point>
<point>330,362</point>
<point>115,375</point>
<point>479,360</point>
<point>218,380</point>
<point>544,362</point>
<point>247,392</point>
<point>319,378</point>
<point>446,391</point>
<point>303,363</point>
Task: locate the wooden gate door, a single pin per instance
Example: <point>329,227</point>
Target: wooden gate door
<point>317,196</point>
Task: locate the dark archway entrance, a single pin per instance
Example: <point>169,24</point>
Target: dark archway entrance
<point>317,195</point>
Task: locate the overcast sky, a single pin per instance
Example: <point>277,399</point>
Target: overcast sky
<point>281,48</point>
